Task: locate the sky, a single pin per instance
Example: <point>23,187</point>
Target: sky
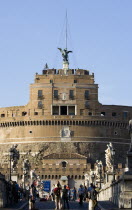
<point>99,34</point>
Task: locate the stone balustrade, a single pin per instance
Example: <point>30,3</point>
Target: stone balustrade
<point>119,192</point>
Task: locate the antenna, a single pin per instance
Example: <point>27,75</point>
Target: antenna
<point>66,29</point>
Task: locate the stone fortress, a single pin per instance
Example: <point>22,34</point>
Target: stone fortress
<point>63,129</point>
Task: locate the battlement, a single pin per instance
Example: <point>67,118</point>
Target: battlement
<point>67,72</point>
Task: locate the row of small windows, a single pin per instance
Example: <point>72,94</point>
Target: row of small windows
<point>71,94</point>
<point>51,81</point>
<point>57,176</point>
<point>64,122</point>
<point>71,111</point>
<point>114,114</point>
<point>56,94</point>
<point>63,110</point>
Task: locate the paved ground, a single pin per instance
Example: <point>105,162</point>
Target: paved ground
<point>51,205</point>
<point>40,205</point>
<point>19,206</point>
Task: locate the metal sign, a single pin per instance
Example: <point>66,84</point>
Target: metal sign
<point>46,186</point>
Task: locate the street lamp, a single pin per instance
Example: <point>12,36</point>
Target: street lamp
<point>26,167</point>
<point>100,172</point>
<point>11,157</point>
<point>113,159</point>
<point>92,177</point>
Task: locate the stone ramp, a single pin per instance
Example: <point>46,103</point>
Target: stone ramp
<point>105,205</point>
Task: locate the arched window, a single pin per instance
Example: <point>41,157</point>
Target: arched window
<point>64,164</point>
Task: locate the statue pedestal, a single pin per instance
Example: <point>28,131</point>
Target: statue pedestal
<point>109,177</point>
<point>65,66</point>
<point>14,176</point>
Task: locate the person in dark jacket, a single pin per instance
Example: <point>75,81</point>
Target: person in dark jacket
<point>92,195</point>
<point>65,197</point>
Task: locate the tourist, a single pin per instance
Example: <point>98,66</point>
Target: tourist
<point>52,192</point>
<point>92,195</point>
<point>85,193</point>
<point>69,192</point>
<point>65,197</point>
<point>81,194</point>
<point>74,194</point>
<point>57,192</point>
<point>33,194</point>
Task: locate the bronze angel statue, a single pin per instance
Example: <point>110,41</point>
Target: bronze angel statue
<point>64,53</point>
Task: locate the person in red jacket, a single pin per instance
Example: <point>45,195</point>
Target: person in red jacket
<point>57,192</point>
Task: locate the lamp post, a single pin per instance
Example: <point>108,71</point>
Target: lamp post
<point>113,160</point>
<point>11,157</point>
<point>100,172</point>
<point>92,177</point>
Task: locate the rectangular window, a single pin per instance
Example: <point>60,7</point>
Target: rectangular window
<point>71,110</point>
<point>40,105</point>
<point>125,115</point>
<point>71,94</point>
<point>56,94</point>
<point>86,95</point>
<point>86,104</point>
<point>40,94</point>
<point>2,115</point>
<point>55,110</point>
<point>75,81</point>
<point>102,114</point>
<point>24,113</point>
<point>113,114</point>
<point>63,110</point>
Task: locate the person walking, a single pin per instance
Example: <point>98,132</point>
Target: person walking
<point>65,197</point>
<point>85,193</point>
<point>74,194</point>
<point>33,195</point>
<point>57,192</point>
<point>81,194</point>
<point>92,195</point>
<point>52,192</point>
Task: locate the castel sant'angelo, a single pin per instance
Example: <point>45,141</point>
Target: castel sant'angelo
<point>63,129</point>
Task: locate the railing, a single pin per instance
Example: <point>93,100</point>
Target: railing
<point>119,192</point>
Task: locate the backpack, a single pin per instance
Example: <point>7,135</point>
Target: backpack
<point>57,191</point>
